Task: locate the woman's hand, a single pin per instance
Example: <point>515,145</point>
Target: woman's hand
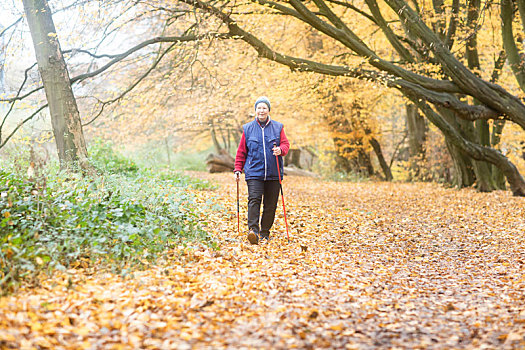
<point>276,151</point>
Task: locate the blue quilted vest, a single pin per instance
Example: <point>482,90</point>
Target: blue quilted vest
<point>260,161</point>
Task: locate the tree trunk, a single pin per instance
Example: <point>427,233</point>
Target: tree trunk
<point>218,147</point>
<point>168,153</point>
<point>463,172</point>
<point>483,170</point>
<point>365,162</point>
<point>468,170</point>
<point>474,150</point>
<point>497,174</point>
<point>491,174</point>
<point>352,158</point>
<point>477,132</point>
<point>417,134</point>
<point>464,175</point>
<point>377,149</point>
<point>293,157</point>
<point>220,162</point>
<point>65,118</point>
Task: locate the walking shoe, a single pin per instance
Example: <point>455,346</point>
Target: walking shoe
<point>253,237</point>
<point>265,237</point>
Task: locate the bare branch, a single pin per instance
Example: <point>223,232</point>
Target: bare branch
<point>132,86</point>
<point>13,101</point>
<point>299,64</point>
<point>75,51</point>
<point>353,8</point>
<point>10,26</point>
<point>2,144</point>
<point>156,40</point>
<point>116,59</point>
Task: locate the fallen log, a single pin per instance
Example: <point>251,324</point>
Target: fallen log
<point>220,163</point>
<point>223,163</point>
<point>292,170</point>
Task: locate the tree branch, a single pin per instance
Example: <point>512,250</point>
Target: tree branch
<point>489,94</point>
<point>391,36</point>
<point>10,26</point>
<point>353,8</point>
<point>513,55</point>
<point>306,65</point>
<point>13,101</point>
<point>156,40</point>
<point>448,101</point>
<point>416,90</point>
<point>2,144</point>
<point>132,86</point>
<point>281,8</point>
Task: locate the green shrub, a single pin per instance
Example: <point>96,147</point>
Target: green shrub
<point>118,218</point>
<point>107,160</point>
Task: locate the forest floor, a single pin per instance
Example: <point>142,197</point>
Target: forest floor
<point>368,265</point>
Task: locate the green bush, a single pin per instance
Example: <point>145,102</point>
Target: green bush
<point>107,160</point>
<point>118,218</point>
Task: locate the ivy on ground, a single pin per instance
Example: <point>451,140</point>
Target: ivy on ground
<point>123,216</point>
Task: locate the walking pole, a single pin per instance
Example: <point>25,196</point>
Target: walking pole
<point>282,194</point>
<point>238,225</point>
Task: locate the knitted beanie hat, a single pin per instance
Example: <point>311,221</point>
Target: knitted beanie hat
<point>263,99</point>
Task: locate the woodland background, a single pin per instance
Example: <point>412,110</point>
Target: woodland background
<point>407,116</point>
<point>165,99</point>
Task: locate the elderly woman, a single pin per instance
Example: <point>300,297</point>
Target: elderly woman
<point>262,139</point>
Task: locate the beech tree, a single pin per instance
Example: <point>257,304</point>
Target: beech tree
<point>441,81</point>
<point>66,121</point>
<point>433,57</point>
<point>453,96</point>
<point>65,118</point>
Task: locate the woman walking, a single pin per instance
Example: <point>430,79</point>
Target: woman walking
<point>262,139</point>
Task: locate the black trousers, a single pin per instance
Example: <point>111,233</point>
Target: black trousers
<point>266,192</point>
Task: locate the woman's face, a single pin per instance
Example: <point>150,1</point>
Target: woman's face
<point>262,111</point>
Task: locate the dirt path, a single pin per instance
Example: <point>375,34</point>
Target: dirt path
<point>386,265</point>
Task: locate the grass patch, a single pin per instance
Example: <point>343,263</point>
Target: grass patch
<point>155,156</point>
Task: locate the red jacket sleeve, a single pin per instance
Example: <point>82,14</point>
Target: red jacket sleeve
<point>242,152</point>
<point>285,144</point>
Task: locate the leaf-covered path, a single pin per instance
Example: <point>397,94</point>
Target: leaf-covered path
<point>386,265</point>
